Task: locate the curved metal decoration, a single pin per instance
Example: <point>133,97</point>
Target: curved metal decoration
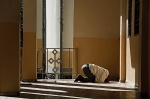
<point>54,60</point>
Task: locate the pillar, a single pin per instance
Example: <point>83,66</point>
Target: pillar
<point>144,66</point>
<point>29,43</point>
<point>123,17</point>
<point>9,47</point>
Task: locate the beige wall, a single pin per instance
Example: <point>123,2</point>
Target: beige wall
<point>70,60</point>
<point>39,43</point>
<point>104,52</point>
<point>96,33</point>
<point>39,52</point>
<point>68,15</point>
<point>39,32</point>
<point>29,12</point>
<point>9,56</point>
<point>9,50</point>
<point>132,59</point>
<point>29,48</point>
<point>39,19</point>
<point>29,56</point>
<point>96,18</point>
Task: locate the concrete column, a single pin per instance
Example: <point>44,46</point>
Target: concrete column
<point>123,18</point>
<point>143,82</point>
<point>29,47</point>
<point>9,47</point>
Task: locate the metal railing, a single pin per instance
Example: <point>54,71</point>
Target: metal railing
<point>53,64</point>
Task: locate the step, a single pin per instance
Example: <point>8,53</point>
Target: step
<point>66,88</point>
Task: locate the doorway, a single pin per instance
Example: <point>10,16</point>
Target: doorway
<point>57,51</point>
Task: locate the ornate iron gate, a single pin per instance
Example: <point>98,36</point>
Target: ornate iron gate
<point>55,67</point>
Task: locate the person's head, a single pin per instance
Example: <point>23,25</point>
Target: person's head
<point>107,80</point>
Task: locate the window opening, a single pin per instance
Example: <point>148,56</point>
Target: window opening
<point>136,17</point>
<point>129,18</point>
<point>52,33</point>
<point>21,23</point>
<point>21,36</point>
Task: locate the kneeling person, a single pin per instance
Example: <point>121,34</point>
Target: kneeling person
<point>93,73</point>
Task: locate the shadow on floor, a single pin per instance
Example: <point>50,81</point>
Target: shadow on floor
<point>67,89</point>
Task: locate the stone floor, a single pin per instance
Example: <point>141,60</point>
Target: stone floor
<point>67,89</point>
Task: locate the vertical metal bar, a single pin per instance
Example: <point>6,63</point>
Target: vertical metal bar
<point>69,57</point>
<point>21,23</point>
<point>42,65</point>
<point>21,37</point>
<point>77,60</point>
<point>61,30</point>
<point>44,36</point>
<point>37,61</point>
<point>55,58</point>
<point>47,62</point>
<point>55,63</point>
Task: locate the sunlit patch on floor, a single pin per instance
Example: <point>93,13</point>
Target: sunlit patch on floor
<point>81,87</point>
<point>42,89</point>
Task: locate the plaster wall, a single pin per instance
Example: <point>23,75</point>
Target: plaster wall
<point>9,50</point>
<point>68,15</point>
<point>39,19</point>
<point>133,53</point>
<point>29,41</point>
<point>132,59</point>
<point>96,33</point>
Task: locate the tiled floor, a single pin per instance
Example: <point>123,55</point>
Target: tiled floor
<point>67,89</point>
